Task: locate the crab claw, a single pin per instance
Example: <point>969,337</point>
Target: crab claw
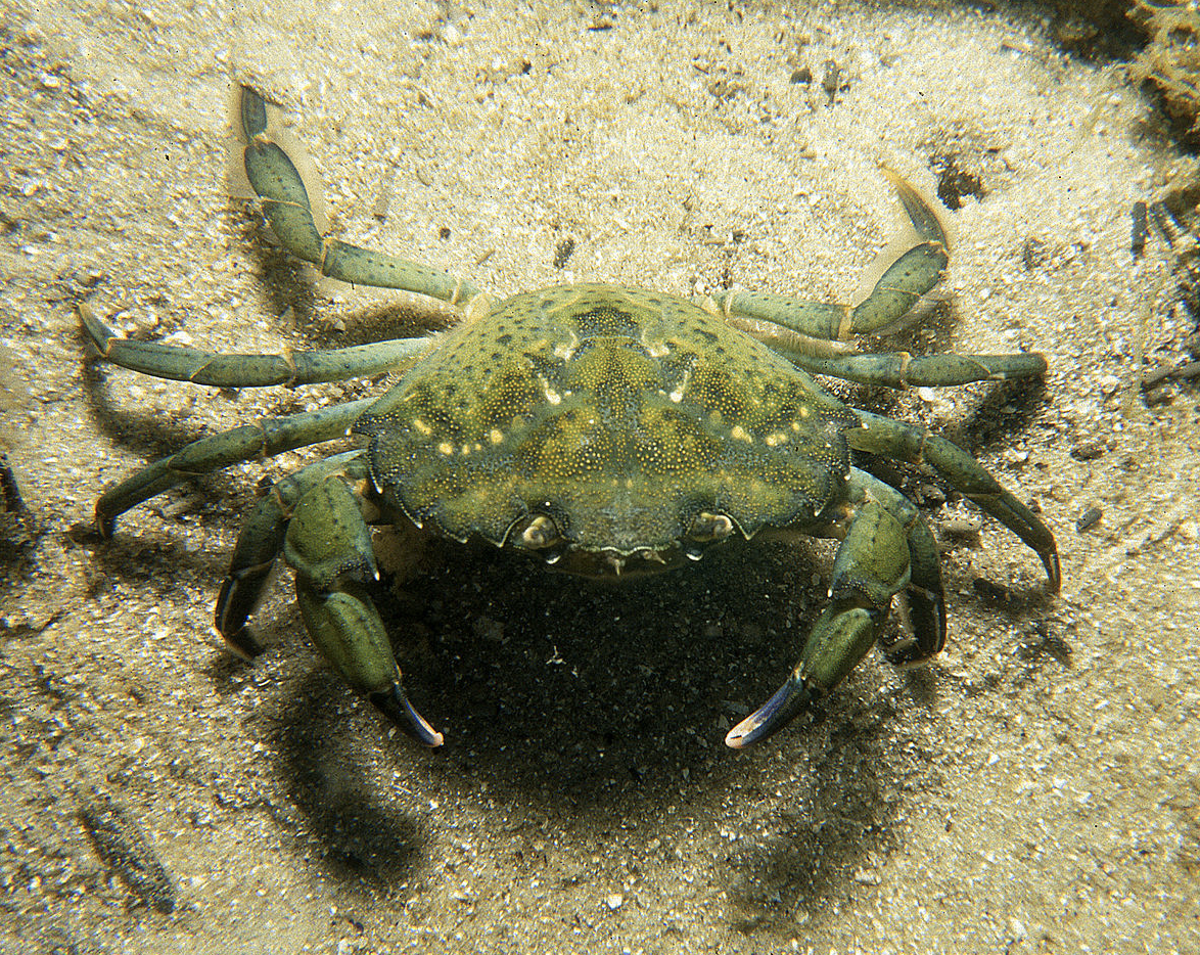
<point>838,641</point>
<point>873,564</point>
<point>393,703</point>
<point>329,546</point>
<point>789,701</point>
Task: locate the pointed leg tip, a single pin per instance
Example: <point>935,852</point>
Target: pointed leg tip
<point>1053,571</point>
<point>105,526</point>
<point>757,726</point>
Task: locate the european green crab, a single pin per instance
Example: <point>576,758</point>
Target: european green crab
<point>597,426</point>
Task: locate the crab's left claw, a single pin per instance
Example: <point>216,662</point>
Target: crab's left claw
<point>887,550</point>
<point>840,639</point>
<point>329,545</point>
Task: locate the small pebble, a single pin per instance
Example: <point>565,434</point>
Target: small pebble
<point>1018,930</point>
<point>959,527</point>
<point>1089,518</point>
<point>1088,450</point>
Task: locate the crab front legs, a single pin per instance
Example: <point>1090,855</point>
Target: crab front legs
<point>887,550</point>
<point>906,442</point>
<point>317,521</point>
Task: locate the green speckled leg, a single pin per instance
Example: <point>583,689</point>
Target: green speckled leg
<point>901,370</point>
<point>249,371</point>
<point>874,563</point>
<point>269,437</point>
<point>907,442</point>
<point>274,176</point>
<point>329,545</point>
<point>910,277</point>
<point>260,542</point>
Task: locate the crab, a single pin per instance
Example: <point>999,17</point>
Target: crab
<point>602,428</point>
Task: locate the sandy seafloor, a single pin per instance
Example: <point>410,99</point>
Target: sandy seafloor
<point>1036,789</point>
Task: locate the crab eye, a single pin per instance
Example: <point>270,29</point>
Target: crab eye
<point>540,533</point>
<point>707,526</point>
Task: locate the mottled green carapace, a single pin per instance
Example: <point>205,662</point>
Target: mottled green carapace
<point>623,415</point>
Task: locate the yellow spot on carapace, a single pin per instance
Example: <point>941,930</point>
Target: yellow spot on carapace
<point>776,438</point>
<point>677,395</point>
<point>495,436</point>
<point>658,349</point>
<point>804,411</point>
<point>422,427</point>
<point>445,448</point>
<point>564,350</point>
<point>738,433</point>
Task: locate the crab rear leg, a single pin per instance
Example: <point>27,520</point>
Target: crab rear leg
<point>910,277</point>
<point>896,439</point>
<point>901,370</point>
<point>887,549</point>
<point>274,176</point>
<point>248,371</point>
<point>329,546</point>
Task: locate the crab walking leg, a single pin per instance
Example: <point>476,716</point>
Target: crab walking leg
<point>260,542</point>
<point>872,565</point>
<point>329,545</point>
<point>274,176</point>
<point>910,277</point>
<point>907,442</point>
<point>901,370</point>
<point>249,371</point>
<point>266,438</point>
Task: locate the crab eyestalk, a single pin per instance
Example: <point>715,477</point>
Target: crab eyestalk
<point>541,535</point>
<point>706,528</point>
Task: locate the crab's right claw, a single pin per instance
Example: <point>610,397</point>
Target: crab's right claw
<point>329,545</point>
<point>346,627</point>
<point>839,640</point>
